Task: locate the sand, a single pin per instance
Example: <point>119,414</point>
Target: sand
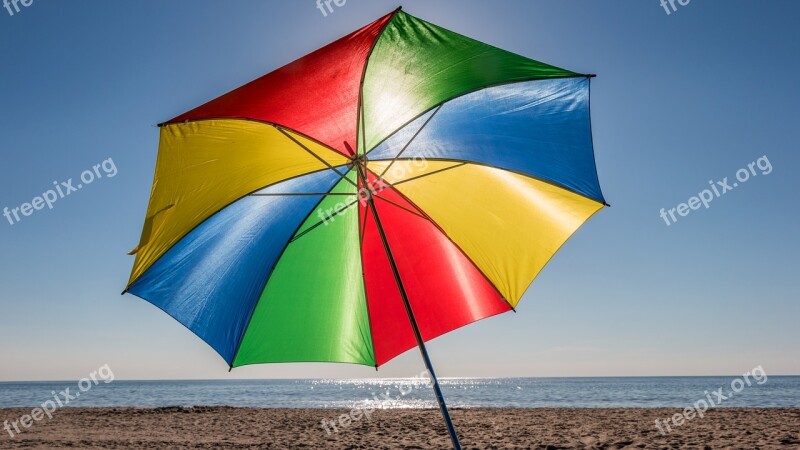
<point>562,428</point>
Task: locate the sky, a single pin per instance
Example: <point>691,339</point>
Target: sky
<point>680,99</point>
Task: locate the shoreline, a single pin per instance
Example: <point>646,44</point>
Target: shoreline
<point>287,428</point>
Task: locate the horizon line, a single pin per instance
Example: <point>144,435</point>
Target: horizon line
<point>388,378</point>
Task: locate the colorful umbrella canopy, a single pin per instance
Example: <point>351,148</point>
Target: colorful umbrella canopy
<point>395,185</point>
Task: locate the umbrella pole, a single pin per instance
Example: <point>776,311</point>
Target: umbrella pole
<point>420,342</point>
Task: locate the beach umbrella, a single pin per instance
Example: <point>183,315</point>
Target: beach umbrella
<point>390,187</point>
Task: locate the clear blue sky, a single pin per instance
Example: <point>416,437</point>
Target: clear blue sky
<point>679,100</point>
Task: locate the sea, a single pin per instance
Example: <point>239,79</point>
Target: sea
<point>386,393</point>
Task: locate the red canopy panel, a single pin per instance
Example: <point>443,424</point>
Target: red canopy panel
<point>316,95</point>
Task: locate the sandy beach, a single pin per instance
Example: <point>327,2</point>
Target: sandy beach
<point>545,428</point>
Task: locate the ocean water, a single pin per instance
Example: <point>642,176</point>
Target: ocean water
<point>775,391</point>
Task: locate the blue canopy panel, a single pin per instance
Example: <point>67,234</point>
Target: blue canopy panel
<point>211,279</point>
<point>537,128</point>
